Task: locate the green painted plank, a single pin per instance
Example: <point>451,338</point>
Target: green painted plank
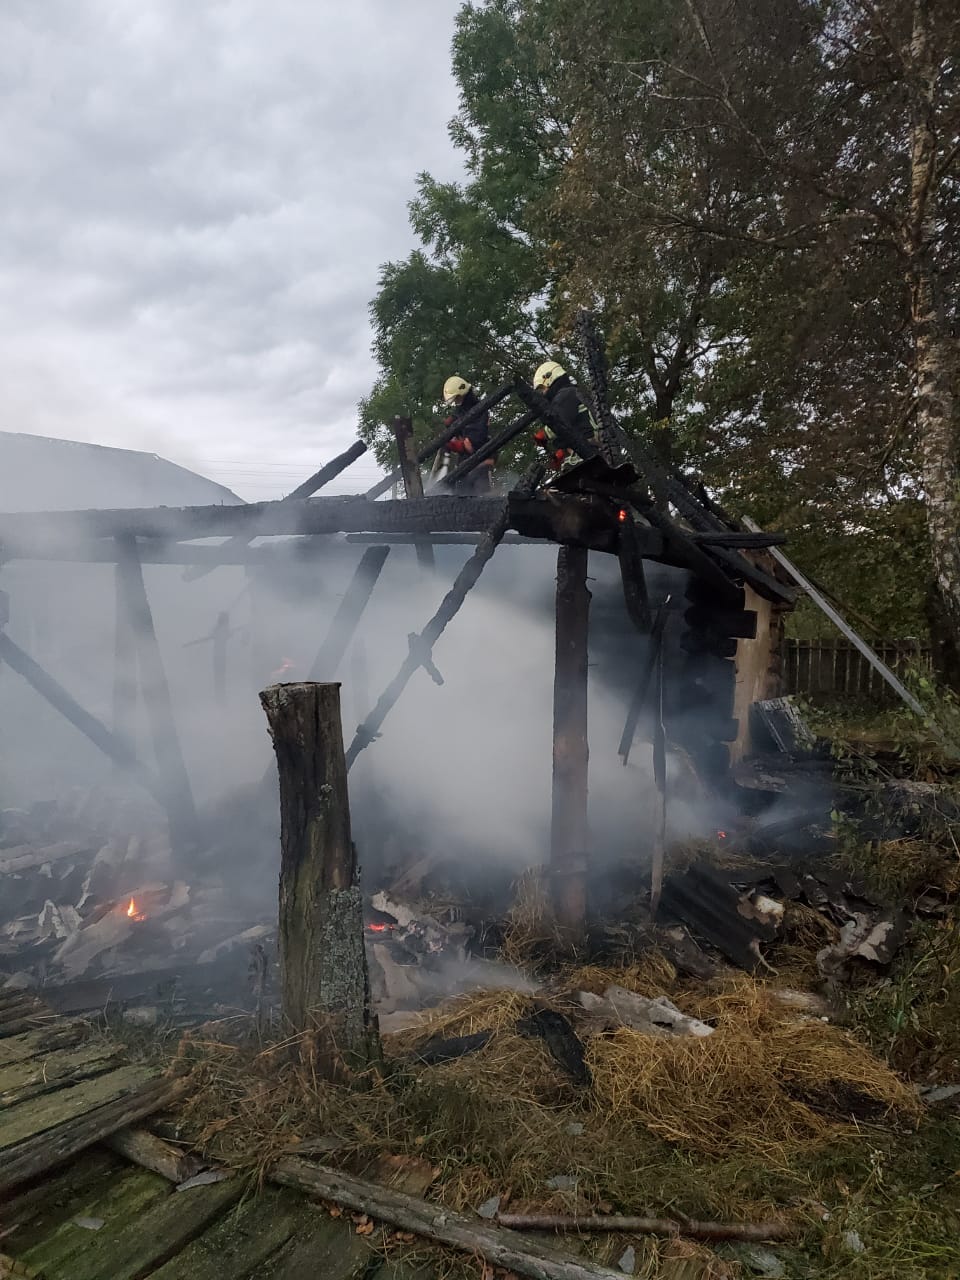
<point>49,1072</point>
<point>240,1243</point>
<point>31,1043</point>
<point>122,1200</point>
<point>325,1246</point>
<point>36,1213</point>
<point>39,1115</point>
<point>144,1241</point>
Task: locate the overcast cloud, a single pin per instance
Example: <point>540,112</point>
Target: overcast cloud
<point>197,198</point>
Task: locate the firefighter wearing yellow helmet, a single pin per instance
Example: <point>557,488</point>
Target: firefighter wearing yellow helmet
<point>553,381</point>
<point>462,395</point>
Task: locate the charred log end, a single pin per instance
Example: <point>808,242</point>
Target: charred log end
<point>572,521</point>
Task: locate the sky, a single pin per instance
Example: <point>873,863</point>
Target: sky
<point>198,196</point>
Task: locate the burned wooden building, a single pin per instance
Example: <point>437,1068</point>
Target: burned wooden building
<point>703,601</point>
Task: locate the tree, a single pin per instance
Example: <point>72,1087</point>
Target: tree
<point>817,142</point>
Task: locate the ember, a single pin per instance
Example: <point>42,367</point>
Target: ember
<point>133,913</point>
<point>380,928</point>
<point>285,667</point>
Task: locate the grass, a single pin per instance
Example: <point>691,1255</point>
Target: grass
<point>740,1125</point>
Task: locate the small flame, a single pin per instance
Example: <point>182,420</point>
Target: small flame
<point>286,664</point>
<point>622,515</point>
<point>379,928</point>
<point>132,911</point>
<point>721,835</point>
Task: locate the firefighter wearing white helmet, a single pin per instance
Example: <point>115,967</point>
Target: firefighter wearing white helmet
<point>553,381</point>
<point>460,393</point>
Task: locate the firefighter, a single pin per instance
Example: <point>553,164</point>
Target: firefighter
<point>553,381</point>
<point>462,396</point>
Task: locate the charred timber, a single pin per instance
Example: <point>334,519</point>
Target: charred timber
<point>445,436</point>
<point>488,450</point>
<point>309,486</point>
<point>34,534</point>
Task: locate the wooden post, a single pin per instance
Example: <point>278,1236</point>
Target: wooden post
<point>569,833</point>
<point>348,615</point>
<point>181,809</point>
<point>412,479</point>
<point>124,663</point>
<point>220,636</point>
<point>326,987</point>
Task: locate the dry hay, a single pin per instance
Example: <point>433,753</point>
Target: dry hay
<point>651,975</point>
<point>531,929</point>
<point>740,1090</point>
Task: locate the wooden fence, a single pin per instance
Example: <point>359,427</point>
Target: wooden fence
<point>817,668</point>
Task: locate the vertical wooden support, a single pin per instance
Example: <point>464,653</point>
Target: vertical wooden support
<point>124,661</point>
<point>220,636</point>
<point>569,832</point>
<point>325,983</point>
<point>412,479</point>
<point>348,615</point>
<point>180,805</point>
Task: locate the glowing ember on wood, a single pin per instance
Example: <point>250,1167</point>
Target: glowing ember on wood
<point>380,928</point>
<point>133,913</point>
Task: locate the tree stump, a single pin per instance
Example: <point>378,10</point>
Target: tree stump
<point>326,988</point>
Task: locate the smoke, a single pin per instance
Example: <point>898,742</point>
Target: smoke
<point>462,772</point>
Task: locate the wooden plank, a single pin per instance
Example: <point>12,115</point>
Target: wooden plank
<point>121,1199</point>
<point>43,1151</point>
<point>242,1244</point>
<point>28,1119</point>
<point>30,1044</point>
<point>34,1214</point>
<point>23,1080</point>
<point>136,1244</point>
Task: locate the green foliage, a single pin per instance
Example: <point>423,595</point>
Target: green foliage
<point>727,187</point>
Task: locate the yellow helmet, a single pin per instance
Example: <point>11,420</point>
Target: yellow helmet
<point>547,374</point>
<point>453,387</point>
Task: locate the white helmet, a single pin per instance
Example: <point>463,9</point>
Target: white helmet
<point>453,387</point>
<point>547,375</point>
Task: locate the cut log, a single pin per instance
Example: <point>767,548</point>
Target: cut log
<point>323,961</point>
<point>42,1151</point>
<point>494,1244</point>
<point>755,1231</point>
<point>145,1149</point>
<point>569,836</point>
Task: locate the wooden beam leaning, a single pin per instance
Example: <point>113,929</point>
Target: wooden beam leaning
<point>426,453</point>
<point>493,445</point>
<point>115,748</point>
<point>325,984</point>
<point>180,805</point>
<point>568,830</point>
<point>305,490</point>
<point>421,647</point>
<point>348,615</point>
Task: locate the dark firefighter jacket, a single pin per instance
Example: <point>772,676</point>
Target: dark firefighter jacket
<point>566,399</point>
<point>478,431</point>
